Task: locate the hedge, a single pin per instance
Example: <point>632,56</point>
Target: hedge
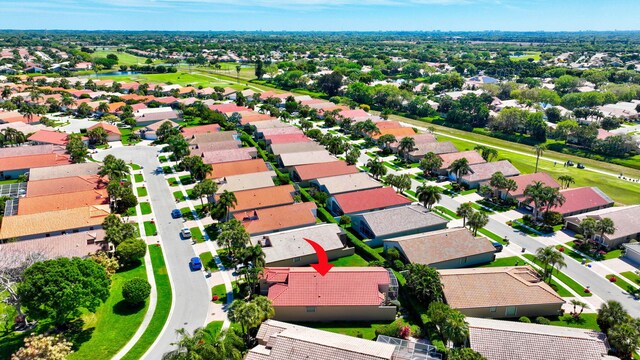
<point>363,249</point>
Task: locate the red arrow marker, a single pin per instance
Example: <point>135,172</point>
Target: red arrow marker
<point>323,266</point>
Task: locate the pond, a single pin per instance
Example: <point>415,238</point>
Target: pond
<point>114,73</point>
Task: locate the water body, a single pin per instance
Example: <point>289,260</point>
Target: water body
<point>114,73</point>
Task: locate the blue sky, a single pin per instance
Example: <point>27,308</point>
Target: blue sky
<point>292,15</point>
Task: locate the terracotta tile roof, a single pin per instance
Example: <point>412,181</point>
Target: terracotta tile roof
<point>527,179</point>
<point>497,286</point>
<point>14,116</point>
<point>228,108</point>
<point>135,97</point>
<point>109,128</point>
<point>388,124</point>
<point>255,118</point>
<point>250,200</point>
<point>355,113</point>
<point>237,168</point>
<point>625,219</point>
<point>228,155</point>
<point>277,218</point>
<point>367,200</point>
<point>320,170</point>
<point>305,287</point>
<point>64,185</point>
<point>33,161</point>
<point>78,244</point>
<point>437,147</point>
<point>18,151</point>
<point>113,107</point>
<point>55,202</point>
<point>483,171</point>
<point>439,246</point>
<point>166,100</point>
<point>397,132</point>
<point>203,129</point>
<point>49,137</point>
<point>215,146</point>
<point>283,341</point>
<point>509,340</point>
<point>52,172</point>
<point>18,226</point>
<point>472,156</point>
<point>584,198</point>
<point>286,138</point>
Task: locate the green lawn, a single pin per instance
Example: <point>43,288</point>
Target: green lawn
<point>569,251</point>
<point>163,159</point>
<point>126,136</point>
<point>196,234</point>
<point>131,211</point>
<point>613,254</point>
<point>149,228</point>
<point>214,327</point>
<point>181,77</point>
<point>506,261</point>
<point>138,177</point>
<point>586,321</point>
<point>480,208</point>
<point>208,262</point>
<point>566,280</point>
<point>526,55</point>
<point>173,182</point>
<point>161,313</point>
<point>353,260</point>
<point>145,208</point>
<point>114,323</point>
<point>492,236</point>
<point>186,179</point>
<point>222,292</point>
<point>135,166</point>
<point>178,195</point>
<point>364,330</point>
<point>167,170</point>
<point>621,283</point>
<point>123,58</point>
<point>631,276</point>
<point>142,191</point>
<point>448,212</point>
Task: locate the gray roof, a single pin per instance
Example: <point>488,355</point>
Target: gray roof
<point>443,245</point>
<point>28,150</point>
<point>347,183</point>
<point>247,181</point>
<point>288,148</point>
<point>625,219</point>
<point>221,136</point>
<point>483,171</point>
<point>400,219</point>
<point>440,147</point>
<point>309,157</point>
<point>510,340</point>
<point>290,244</point>
<point>60,171</point>
<point>269,124</point>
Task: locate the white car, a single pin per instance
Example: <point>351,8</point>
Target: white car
<point>186,233</point>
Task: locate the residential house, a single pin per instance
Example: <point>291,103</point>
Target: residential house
<point>55,202</point>
<point>148,116</point>
<point>377,226</point>
<point>472,156</point>
<point>149,132</point>
<point>222,170</point>
<point>625,219</point>
<point>14,166</point>
<point>43,137</point>
<point>288,148</point>
<point>47,224</point>
<point>304,158</point>
<point>113,133</point>
<point>582,200</point>
<point>499,292</point>
<point>343,294</point>
<point>64,185</point>
<point>444,249</point>
<point>286,138</point>
<point>200,149</point>
<point>188,132</point>
<point>75,244</point>
<point>288,130</point>
<point>510,340</point>
<point>278,340</point>
<point>482,172</point>
<point>421,149</point>
<point>249,200</point>
<point>227,155</point>
<point>277,218</point>
<point>246,181</point>
<point>61,171</point>
<point>303,174</point>
<point>524,180</point>
<point>399,133</point>
<point>632,252</point>
<point>289,248</point>
<point>222,136</point>
<point>365,200</point>
<point>341,184</point>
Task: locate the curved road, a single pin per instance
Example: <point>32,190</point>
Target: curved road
<point>191,293</point>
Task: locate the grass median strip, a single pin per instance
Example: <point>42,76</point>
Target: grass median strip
<point>149,228</point>
<point>142,191</point>
<point>145,208</point>
<point>138,177</point>
<point>566,280</point>
<point>620,282</point>
<point>163,306</point>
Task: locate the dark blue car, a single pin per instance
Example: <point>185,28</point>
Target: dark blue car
<point>175,213</point>
<point>195,263</point>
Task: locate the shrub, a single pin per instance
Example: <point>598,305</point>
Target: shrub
<point>136,291</point>
<point>543,320</point>
<point>613,279</point>
<point>524,319</point>
<point>345,220</point>
<point>129,251</point>
<point>527,219</point>
<point>359,334</point>
<point>398,265</point>
<point>552,218</point>
<point>579,236</point>
<point>392,254</point>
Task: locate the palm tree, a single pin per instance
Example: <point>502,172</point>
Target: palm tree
<point>103,107</point>
<point>406,145</point>
<point>460,167</point>
<point>551,197</point>
<point>625,338</point>
<point>534,194</point>
<point>610,314</point>
<point>589,227</point>
<point>605,226</point>
<point>510,185</point>
<point>386,140</point>
<point>266,307</point>
<point>550,259</point>
<point>6,92</point>
<point>238,68</point>
<point>566,181</point>
<point>206,345</point>
<point>428,195</point>
<point>227,200</point>
<point>376,168</point>
<point>477,220</point>
<point>455,328</point>
<point>114,169</point>
<point>464,211</point>
<point>575,302</point>
<point>539,149</point>
<point>430,163</point>
<point>247,314</point>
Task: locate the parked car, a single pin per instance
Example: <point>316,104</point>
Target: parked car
<point>580,166</point>
<point>195,263</point>
<point>175,213</point>
<point>159,170</point>
<point>498,246</point>
<point>186,233</point>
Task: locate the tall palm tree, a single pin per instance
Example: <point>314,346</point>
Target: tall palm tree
<point>460,167</point>
<point>552,197</point>
<point>477,220</point>
<point>550,259</point>
<point>566,181</point>
<point>206,345</point>
<point>455,328</point>
<point>428,195</point>
<point>575,302</point>
<point>227,200</point>
<point>539,149</point>
<point>376,168</point>
<point>589,227</point>
<point>605,226</point>
<point>406,145</point>
<point>6,92</point>
<point>103,107</point>
<point>247,314</point>
<point>115,169</point>
<point>610,314</point>
<point>464,211</point>
<point>534,194</point>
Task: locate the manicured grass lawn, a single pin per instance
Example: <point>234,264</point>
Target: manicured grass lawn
<point>480,208</point>
<point>365,330</point>
<point>123,58</point>
<point>180,77</point>
<point>506,261</point>
<point>114,323</point>
<point>492,236</point>
<point>163,159</point>
<point>353,260</point>
<point>167,170</point>
<point>568,250</point>
<point>135,166</point>
<point>522,228</point>
<point>448,212</point>
<point>526,55</point>
<point>197,234</point>
<point>126,135</point>
<point>631,276</point>
<point>208,262</point>
<point>178,195</point>
<point>186,179</point>
<point>142,191</point>
<point>214,327</point>
<point>138,177</point>
<point>613,254</point>
<point>163,306</point>
<point>187,214</point>
<point>586,321</point>
<point>131,211</point>
<point>222,293</point>
<point>173,182</point>
<point>566,280</point>
<point>149,228</point>
<point>145,208</point>
<point>621,283</point>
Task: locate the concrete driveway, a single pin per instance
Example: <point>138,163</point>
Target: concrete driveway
<point>191,293</point>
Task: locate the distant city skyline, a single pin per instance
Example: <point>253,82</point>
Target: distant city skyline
<point>322,15</point>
